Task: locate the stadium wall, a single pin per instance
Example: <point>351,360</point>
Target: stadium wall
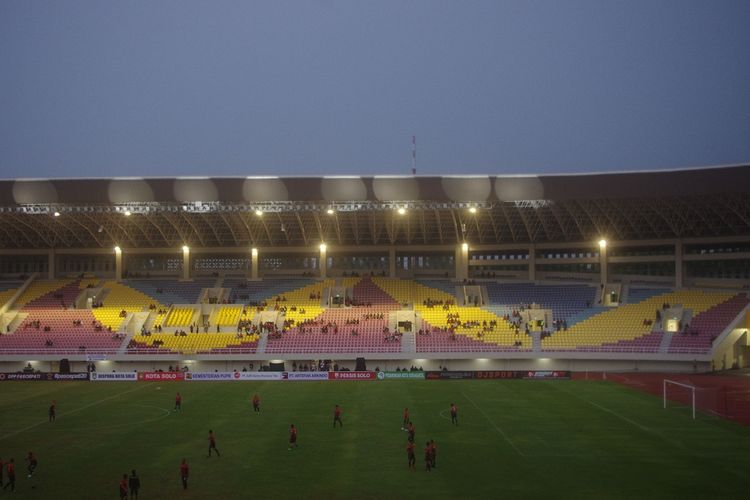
<point>543,364</point>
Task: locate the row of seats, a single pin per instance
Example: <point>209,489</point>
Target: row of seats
<point>406,292</point>
<point>229,315</point>
<point>172,291</point>
<point>626,322</point>
<point>180,317</point>
<point>120,298</point>
<point>564,300</point>
<point>194,342</point>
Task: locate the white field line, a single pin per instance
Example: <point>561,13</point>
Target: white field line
<point>498,429</point>
<point>642,427</point>
<point>100,401</point>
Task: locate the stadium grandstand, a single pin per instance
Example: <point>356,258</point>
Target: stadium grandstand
<point>640,270</point>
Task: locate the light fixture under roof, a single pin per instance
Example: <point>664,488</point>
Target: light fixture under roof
<point>401,211</point>
<point>330,211</point>
<point>127,213</point>
<point>473,210</point>
<point>56,214</point>
<point>258,213</point>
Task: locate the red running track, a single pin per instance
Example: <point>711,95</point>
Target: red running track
<point>721,395</point>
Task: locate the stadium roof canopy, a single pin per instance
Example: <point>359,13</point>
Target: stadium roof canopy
<point>300,211</point>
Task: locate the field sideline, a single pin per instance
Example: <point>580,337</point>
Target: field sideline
<point>516,439</point>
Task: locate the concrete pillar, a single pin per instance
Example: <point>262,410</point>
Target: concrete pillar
<point>532,263</point>
<point>603,262</point>
<point>679,265</point>
<point>186,262</point>
<point>323,260</point>
<point>254,264</point>
<point>118,264</point>
<point>392,262</point>
<point>51,264</point>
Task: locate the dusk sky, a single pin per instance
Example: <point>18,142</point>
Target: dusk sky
<point>210,88</point>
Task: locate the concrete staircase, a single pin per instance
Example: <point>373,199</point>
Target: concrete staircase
<point>536,341</point>
<point>262,342</point>
<point>409,343</point>
<point>666,341</point>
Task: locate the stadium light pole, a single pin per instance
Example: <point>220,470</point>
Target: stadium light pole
<point>118,264</point>
<point>185,263</point>
<point>254,264</point>
<point>603,264</point>
<point>462,261</point>
<point>679,266</point>
<point>391,261</point>
<point>323,260</point>
<point>51,264</point>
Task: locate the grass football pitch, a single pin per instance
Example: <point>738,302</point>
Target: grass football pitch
<point>515,439</point>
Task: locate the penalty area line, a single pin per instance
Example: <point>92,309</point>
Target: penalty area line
<point>100,401</point>
<point>497,428</point>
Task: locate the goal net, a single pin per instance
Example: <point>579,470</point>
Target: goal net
<point>678,393</point>
<point>695,398</point>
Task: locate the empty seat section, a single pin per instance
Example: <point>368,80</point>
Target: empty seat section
<point>42,289</point>
<point>565,301</point>
<point>7,290</point>
<point>706,326</point>
<point>229,315</point>
<point>626,322</point>
<point>172,291</point>
<point>180,316</point>
<point>120,298</point>
<point>247,292</point>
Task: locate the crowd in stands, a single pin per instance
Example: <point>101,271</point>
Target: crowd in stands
<point>445,304</point>
<point>151,307</point>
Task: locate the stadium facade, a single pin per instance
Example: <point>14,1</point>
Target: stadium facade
<point>479,239</point>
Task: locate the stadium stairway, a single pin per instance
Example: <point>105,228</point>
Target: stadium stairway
<point>262,343</point>
<point>666,341</point>
<point>409,343</point>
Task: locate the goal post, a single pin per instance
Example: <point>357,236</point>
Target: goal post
<point>669,383</point>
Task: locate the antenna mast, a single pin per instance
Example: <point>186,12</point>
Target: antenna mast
<point>414,155</point>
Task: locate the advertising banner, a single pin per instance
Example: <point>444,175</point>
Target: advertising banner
<point>499,374</point>
<point>352,376</point>
<point>43,376</point>
<point>22,376</point>
<point>113,376</point>
<point>70,376</point>
<point>547,374</point>
<point>160,376</point>
<point>445,375</point>
<point>215,376</point>
<point>261,376</point>
<point>402,375</point>
<point>301,376</point>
